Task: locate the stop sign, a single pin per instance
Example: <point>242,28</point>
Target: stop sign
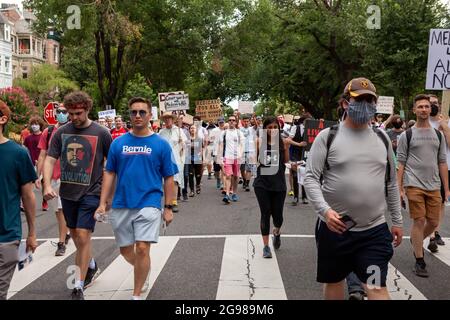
<point>50,113</point>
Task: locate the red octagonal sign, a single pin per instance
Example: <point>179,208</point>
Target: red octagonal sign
<point>50,113</point>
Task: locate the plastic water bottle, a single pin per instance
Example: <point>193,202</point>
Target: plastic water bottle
<point>103,218</point>
<point>25,258</point>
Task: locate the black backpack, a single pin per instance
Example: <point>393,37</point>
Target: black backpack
<point>409,137</point>
<point>387,177</point>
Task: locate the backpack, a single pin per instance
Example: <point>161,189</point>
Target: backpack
<point>49,134</point>
<point>409,137</point>
<point>387,177</point>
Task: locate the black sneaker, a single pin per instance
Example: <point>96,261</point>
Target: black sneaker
<point>67,239</point>
<point>357,295</point>
<point>185,197</point>
<point>61,249</point>
<point>175,208</point>
<point>276,241</point>
<point>305,201</point>
<point>209,176</point>
<point>91,275</point>
<point>432,246</point>
<point>226,199</point>
<point>77,294</point>
<point>241,181</point>
<point>420,269</point>
<point>439,240</point>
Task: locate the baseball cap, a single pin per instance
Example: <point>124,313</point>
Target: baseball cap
<point>360,86</point>
<point>4,110</point>
<point>258,118</point>
<point>221,119</point>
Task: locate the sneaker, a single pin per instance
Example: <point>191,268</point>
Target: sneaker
<point>291,193</point>
<point>91,275</point>
<point>192,194</point>
<point>305,201</point>
<point>77,294</point>
<point>198,189</point>
<point>294,203</point>
<point>146,284</point>
<point>61,249</point>
<point>185,197</point>
<point>218,184</point>
<point>267,253</point>
<point>226,199</point>
<point>420,269</point>
<point>209,176</point>
<point>67,239</point>
<point>241,181</point>
<point>175,208</point>
<point>439,240</point>
<point>432,246</point>
<point>234,197</point>
<point>224,192</point>
<point>44,205</point>
<point>356,295</point>
<point>276,241</point>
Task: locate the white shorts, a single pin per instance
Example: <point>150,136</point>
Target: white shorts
<point>132,225</point>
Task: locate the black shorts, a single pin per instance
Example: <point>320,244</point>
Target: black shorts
<point>366,253</point>
<point>217,167</point>
<point>80,214</point>
<point>443,190</point>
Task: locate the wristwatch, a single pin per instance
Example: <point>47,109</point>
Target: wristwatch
<point>168,206</point>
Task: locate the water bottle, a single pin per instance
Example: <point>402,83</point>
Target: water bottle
<point>103,218</point>
<point>25,258</point>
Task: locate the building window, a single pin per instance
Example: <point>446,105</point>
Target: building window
<point>56,54</point>
<point>2,31</point>
<point>14,44</point>
<point>44,53</point>
<point>8,64</point>
<point>7,33</point>
<point>25,75</point>
<point>24,46</point>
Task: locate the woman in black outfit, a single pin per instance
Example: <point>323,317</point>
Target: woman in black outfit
<point>270,183</point>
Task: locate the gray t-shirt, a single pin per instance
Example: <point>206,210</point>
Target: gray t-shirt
<point>421,163</point>
<point>82,153</point>
<point>355,183</point>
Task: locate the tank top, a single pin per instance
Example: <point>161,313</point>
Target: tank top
<point>271,160</point>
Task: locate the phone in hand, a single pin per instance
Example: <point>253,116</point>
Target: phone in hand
<point>348,221</point>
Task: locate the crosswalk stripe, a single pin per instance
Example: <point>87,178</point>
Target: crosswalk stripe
<point>444,251</point>
<point>246,275</point>
<point>400,288</point>
<point>117,281</point>
<point>43,260</point>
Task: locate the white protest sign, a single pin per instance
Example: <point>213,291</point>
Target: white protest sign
<point>246,107</point>
<point>176,102</point>
<point>154,113</point>
<point>438,70</point>
<point>107,114</point>
<point>162,98</point>
<point>385,105</point>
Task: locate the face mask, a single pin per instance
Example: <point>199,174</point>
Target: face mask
<point>397,125</point>
<point>62,118</point>
<point>35,127</point>
<point>361,112</point>
<point>434,110</point>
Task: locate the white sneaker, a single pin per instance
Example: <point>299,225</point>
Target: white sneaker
<point>135,298</point>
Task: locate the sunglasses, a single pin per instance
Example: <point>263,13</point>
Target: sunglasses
<point>142,113</point>
<point>61,111</point>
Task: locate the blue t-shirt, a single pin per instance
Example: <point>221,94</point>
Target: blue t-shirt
<point>16,170</point>
<point>140,164</point>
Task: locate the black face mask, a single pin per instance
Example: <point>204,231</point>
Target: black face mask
<point>434,110</point>
<point>397,125</point>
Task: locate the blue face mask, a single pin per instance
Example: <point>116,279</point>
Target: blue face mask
<point>62,118</point>
<point>361,112</point>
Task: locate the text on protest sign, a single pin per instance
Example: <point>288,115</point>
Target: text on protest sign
<point>208,110</point>
<point>313,128</point>
<point>176,102</point>
<point>438,70</point>
<point>107,114</point>
<point>385,105</point>
<point>162,99</point>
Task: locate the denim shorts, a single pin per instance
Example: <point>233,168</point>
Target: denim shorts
<point>132,225</point>
<point>80,214</point>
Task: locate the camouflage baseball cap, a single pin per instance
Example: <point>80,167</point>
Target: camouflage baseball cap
<point>360,86</point>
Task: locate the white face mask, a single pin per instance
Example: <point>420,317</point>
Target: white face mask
<point>35,127</point>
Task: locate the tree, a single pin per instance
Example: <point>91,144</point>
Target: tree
<point>45,84</point>
<point>21,106</point>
